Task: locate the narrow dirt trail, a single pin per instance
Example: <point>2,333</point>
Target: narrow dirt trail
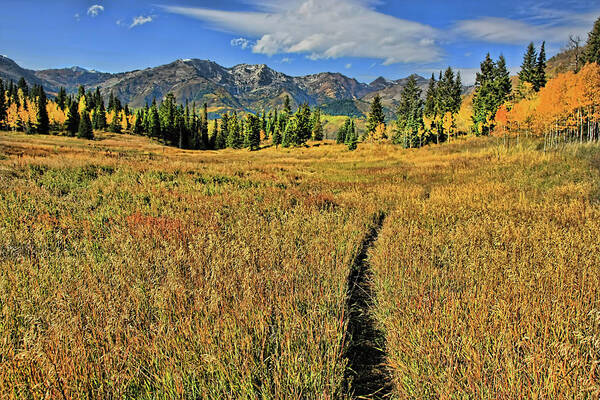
<point>366,376</point>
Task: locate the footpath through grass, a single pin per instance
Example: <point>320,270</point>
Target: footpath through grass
<point>130,270</point>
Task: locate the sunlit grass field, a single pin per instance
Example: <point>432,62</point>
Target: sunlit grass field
<point>132,270</point>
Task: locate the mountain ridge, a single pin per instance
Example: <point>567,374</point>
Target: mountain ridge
<point>242,87</point>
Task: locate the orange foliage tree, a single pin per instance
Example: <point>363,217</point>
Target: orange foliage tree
<point>567,108</point>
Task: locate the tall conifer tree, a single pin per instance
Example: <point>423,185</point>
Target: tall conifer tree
<point>3,106</point>
<point>85,126</point>
<point>61,98</point>
<point>376,115</point>
<point>592,52</point>
<point>72,122</point>
<point>529,67</point>
<point>43,122</point>
<point>540,69</point>
<point>410,115</point>
<point>287,108</point>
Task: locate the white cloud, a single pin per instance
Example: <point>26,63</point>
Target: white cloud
<point>286,60</point>
<point>141,20</point>
<point>241,42</point>
<point>77,17</point>
<point>552,26</point>
<point>95,10</point>
<point>325,29</point>
<point>348,66</point>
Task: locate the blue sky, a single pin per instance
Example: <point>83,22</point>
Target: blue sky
<point>360,38</point>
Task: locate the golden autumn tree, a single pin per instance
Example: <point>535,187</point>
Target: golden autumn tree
<point>110,116</point>
<point>463,119</point>
<point>56,115</point>
<point>522,116</point>
<point>13,119</point>
<point>124,122</point>
<point>448,124</point>
<point>379,134</point>
<point>501,119</point>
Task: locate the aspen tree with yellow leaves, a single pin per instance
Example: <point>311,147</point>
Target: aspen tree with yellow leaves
<point>124,122</point>
<point>56,115</point>
<point>566,109</point>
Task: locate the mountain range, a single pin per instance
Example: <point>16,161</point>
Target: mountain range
<point>242,87</point>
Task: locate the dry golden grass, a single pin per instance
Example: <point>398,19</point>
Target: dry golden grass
<point>488,280</point>
<point>131,270</point>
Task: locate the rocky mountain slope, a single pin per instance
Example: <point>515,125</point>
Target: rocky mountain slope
<point>242,87</point>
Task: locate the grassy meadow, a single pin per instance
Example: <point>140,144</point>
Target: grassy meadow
<point>136,271</point>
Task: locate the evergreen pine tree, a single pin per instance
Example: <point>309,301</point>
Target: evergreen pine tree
<point>376,115</point>
<point>275,122</point>
<point>72,122</point>
<point>98,97</point>
<point>100,115</point>
<point>502,82</point>
<point>287,108</point>
<point>22,84</point>
<point>146,121</point>
<point>304,128</point>
<point>529,67</point>
<point>276,136</point>
<point>13,97</point>
<point>80,92</point>
<point>449,93</point>
<point>221,141</point>
<point>115,124</point>
<point>187,117</point>
<point>352,141</point>
<point>348,130</point>
<point>290,135</point>
<point>85,126</point>
<point>205,141</point>
<point>485,96</point>
<point>343,132</point>
<point>138,127</point>
<point>457,93</point>
<point>234,139</point>
<point>154,129</point>
<point>430,98</point>
<point>43,122</point>
<point>253,128</point>
<point>540,69</point>
<point>317,132</point>
<point>214,135</point>
<point>166,111</point>
<point>111,102</point>
<point>410,114</point>
<point>61,98</point>
<point>90,99</point>
<point>592,49</point>
<point>3,106</point>
<point>180,128</point>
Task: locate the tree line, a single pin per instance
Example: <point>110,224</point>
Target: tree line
<point>185,126</point>
<point>420,121</point>
<point>182,126</point>
<point>29,110</point>
<point>563,107</point>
